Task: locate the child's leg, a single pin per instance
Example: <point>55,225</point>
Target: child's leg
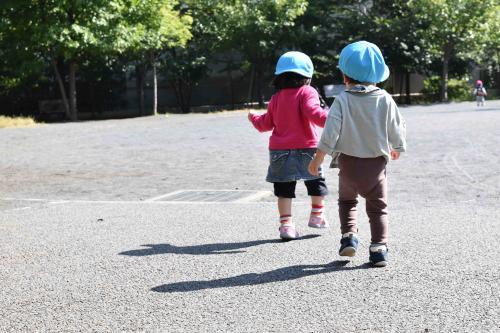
<point>317,190</point>
<point>374,190</point>
<point>348,201</point>
<point>348,194</point>
<point>285,209</point>
<point>376,208</point>
<point>286,192</point>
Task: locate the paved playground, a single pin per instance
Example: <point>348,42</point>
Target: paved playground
<point>165,224</point>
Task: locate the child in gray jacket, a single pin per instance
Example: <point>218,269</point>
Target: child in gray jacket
<point>365,128</point>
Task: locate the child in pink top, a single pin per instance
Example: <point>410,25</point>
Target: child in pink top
<point>293,114</point>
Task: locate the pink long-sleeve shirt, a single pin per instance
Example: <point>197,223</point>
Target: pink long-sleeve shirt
<point>293,115</point>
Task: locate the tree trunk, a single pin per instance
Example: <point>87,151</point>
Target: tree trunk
<point>182,95</point>
<point>259,74</point>
<point>407,86</point>
<point>260,94</point>
<point>250,86</point>
<point>152,58</point>
<point>231,85</point>
<point>72,91</point>
<point>139,79</point>
<point>62,89</point>
<point>400,94</point>
<point>93,107</point>
<point>444,74</point>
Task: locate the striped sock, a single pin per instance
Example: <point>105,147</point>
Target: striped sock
<point>286,219</point>
<point>317,210</point>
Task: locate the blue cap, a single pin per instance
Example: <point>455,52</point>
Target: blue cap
<point>296,62</point>
<point>363,62</point>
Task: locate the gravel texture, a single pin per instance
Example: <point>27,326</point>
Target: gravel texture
<point>83,250</point>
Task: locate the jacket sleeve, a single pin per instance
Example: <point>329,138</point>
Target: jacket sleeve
<point>396,128</point>
<point>311,108</point>
<point>264,122</point>
<point>333,127</point>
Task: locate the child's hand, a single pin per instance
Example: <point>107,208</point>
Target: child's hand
<point>250,116</point>
<point>314,167</point>
<point>395,155</point>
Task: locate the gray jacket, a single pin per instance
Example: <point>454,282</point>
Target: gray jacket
<point>364,121</point>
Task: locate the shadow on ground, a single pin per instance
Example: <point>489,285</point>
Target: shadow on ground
<point>252,279</point>
<point>203,249</point>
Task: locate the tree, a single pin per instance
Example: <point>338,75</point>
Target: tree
<point>489,55</point>
<point>146,29</point>
<point>20,64</point>
<point>184,67</point>
<point>451,28</point>
<point>63,33</point>
<point>392,26</point>
<point>260,30</point>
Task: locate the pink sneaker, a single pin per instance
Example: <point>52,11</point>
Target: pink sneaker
<point>317,222</point>
<point>288,232</point>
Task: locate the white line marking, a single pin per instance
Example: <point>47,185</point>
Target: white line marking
<point>163,196</point>
<point>163,202</point>
<point>461,169</point>
<point>167,195</point>
<point>253,197</point>
<point>21,199</point>
<point>18,209</point>
<point>120,202</point>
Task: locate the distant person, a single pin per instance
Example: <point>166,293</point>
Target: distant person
<point>365,129</point>
<point>293,114</point>
<point>480,93</point>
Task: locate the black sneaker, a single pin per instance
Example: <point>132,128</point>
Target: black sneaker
<point>348,244</point>
<point>378,255</point>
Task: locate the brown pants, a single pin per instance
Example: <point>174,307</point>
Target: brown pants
<point>366,177</point>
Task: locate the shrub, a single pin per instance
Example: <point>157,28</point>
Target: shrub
<point>458,89</point>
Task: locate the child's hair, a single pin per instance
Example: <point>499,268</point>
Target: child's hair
<point>290,80</point>
<point>351,80</point>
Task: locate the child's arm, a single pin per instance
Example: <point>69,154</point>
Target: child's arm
<point>311,107</point>
<point>333,127</point>
<point>263,122</point>
<point>329,138</point>
<point>396,131</point>
<point>318,159</point>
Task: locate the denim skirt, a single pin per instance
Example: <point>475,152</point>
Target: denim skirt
<point>290,165</point>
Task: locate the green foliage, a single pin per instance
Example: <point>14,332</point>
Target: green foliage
<point>260,31</point>
<point>183,37</point>
<point>151,26</point>
<point>458,89</point>
<point>451,28</point>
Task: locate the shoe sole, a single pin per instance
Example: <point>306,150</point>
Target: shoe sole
<point>318,226</point>
<point>286,237</point>
<point>380,264</point>
<point>348,252</point>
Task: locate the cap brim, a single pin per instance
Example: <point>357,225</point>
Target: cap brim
<point>294,71</point>
<point>386,74</point>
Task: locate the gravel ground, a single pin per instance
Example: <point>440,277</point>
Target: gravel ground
<point>83,247</point>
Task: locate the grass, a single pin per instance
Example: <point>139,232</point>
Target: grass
<point>16,122</point>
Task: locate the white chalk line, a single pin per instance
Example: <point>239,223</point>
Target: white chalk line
<point>455,168</point>
<point>121,202</point>
<point>256,195</point>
